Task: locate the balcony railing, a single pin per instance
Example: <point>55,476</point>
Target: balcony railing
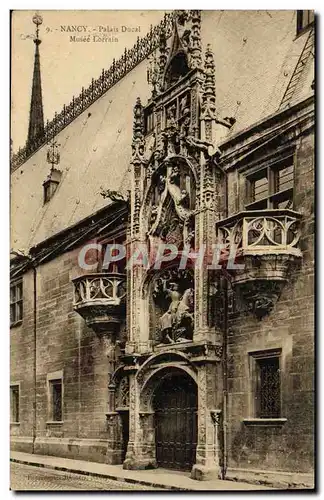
<point>258,232</point>
<point>266,244</point>
<point>102,288</point>
<point>100,298</point>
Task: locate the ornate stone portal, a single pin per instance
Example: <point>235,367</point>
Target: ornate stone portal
<point>176,196</point>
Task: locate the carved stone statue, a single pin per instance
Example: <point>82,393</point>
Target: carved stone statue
<point>184,106</point>
<point>176,324</point>
<point>171,117</point>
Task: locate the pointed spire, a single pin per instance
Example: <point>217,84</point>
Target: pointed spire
<point>209,93</point>
<point>138,127</point>
<point>36,115</point>
<point>163,53</point>
<point>138,134</point>
<point>195,39</point>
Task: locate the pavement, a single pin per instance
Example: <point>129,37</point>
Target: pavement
<point>140,479</point>
<point>31,478</point>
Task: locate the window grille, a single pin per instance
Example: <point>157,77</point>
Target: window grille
<point>266,384</point>
<point>268,389</point>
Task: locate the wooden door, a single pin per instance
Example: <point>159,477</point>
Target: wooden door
<point>175,405</point>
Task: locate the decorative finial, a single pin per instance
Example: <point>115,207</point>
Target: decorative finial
<point>38,20</point>
<point>53,155</point>
<point>138,134</point>
<point>138,128</point>
<point>209,84</point>
<point>195,39</point>
<point>209,93</point>
<point>153,74</point>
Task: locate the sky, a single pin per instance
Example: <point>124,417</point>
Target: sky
<point>66,65</point>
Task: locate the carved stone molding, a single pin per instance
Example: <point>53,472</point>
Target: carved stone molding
<point>260,296</point>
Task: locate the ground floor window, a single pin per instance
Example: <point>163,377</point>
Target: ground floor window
<point>266,384</point>
<point>55,396</point>
<point>14,403</point>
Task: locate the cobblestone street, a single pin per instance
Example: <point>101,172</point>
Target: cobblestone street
<point>27,478</point>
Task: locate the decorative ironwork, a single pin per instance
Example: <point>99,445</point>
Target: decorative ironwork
<point>38,20</point>
<point>53,154</point>
<point>129,60</point>
<point>257,232</point>
<point>268,389</point>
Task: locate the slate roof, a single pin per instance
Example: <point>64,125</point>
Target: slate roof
<point>256,53</point>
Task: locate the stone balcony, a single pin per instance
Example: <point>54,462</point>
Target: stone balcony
<point>100,299</point>
<point>265,243</point>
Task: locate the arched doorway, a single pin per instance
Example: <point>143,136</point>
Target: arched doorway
<point>175,406</point>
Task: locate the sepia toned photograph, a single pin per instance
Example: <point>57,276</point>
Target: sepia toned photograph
<point>162,241</point>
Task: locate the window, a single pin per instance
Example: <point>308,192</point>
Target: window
<point>49,189</point>
<point>305,18</point>
<point>271,187</point>
<point>16,302</point>
<point>14,403</point>
<point>266,384</point>
<point>56,390</point>
<point>55,394</point>
<point>104,263</point>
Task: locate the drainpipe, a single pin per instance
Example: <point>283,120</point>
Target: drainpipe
<point>34,360</point>
<point>225,357</point>
<point>225,376</point>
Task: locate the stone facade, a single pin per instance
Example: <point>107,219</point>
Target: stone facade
<point>115,337</point>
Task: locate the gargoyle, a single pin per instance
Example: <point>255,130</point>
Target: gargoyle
<point>113,195</point>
